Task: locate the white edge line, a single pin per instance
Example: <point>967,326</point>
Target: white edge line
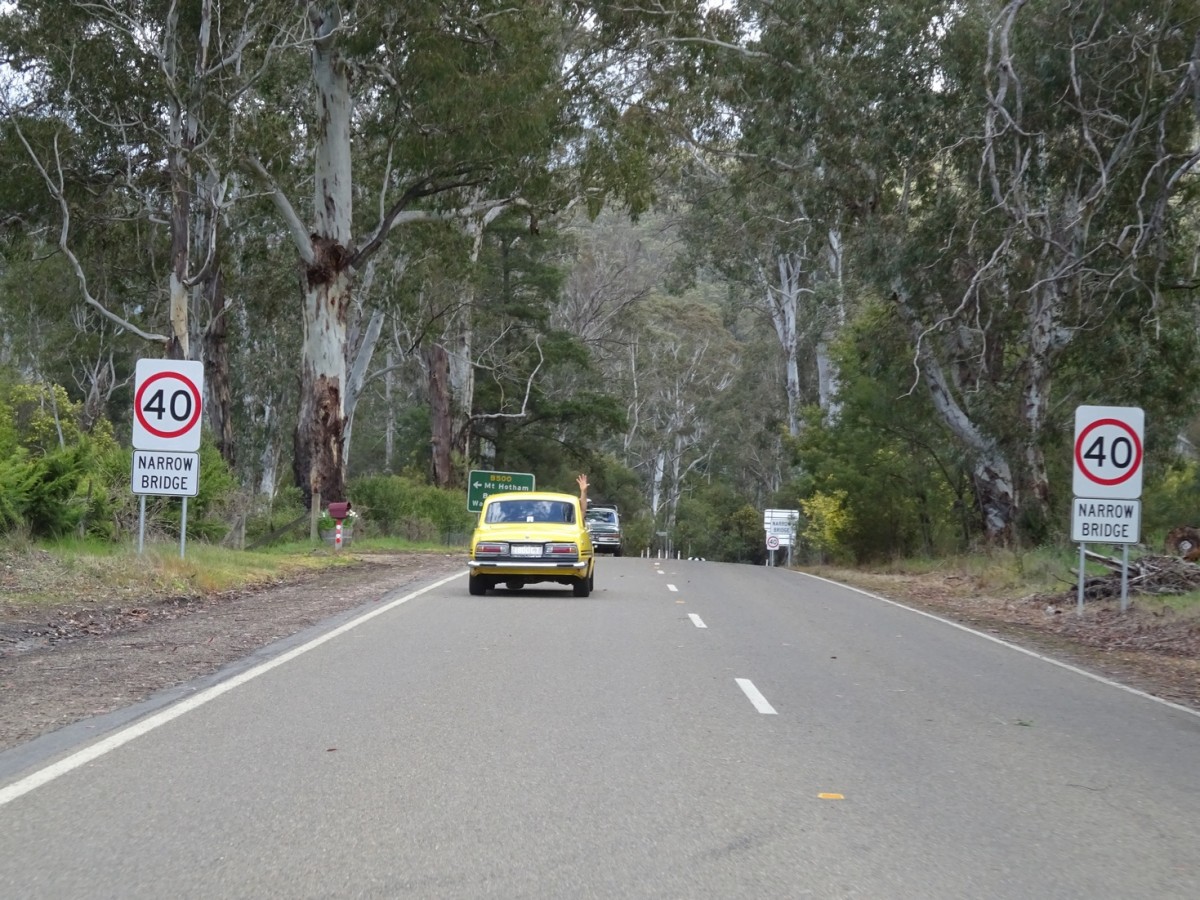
<point>696,620</point>
<point>755,696</point>
<point>1011,646</point>
<point>144,726</point>
<point>672,588</point>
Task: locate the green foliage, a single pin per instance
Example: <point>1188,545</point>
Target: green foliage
<point>903,484</point>
<point>744,536</point>
<point>44,416</point>
<point>609,481</point>
<point>637,532</point>
<point>716,523</point>
<point>827,522</point>
<point>1170,500</point>
<point>17,477</point>
<point>53,506</point>
<point>401,506</point>
<point>56,480</point>
<point>271,516</point>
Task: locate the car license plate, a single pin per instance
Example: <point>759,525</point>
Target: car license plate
<point>526,549</point>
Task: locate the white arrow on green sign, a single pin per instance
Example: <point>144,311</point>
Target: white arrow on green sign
<point>482,484</point>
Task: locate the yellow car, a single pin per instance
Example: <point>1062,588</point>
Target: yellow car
<point>528,537</point>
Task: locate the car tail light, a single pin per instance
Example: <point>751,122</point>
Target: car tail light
<point>562,550</point>
<point>491,548</point>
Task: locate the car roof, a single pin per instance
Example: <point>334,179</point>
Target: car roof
<point>530,495</point>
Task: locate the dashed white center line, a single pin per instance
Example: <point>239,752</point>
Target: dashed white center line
<point>696,620</point>
<point>672,588</point>
<point>752,693</point>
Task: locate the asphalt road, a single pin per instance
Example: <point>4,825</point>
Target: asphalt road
<point>691,730</point>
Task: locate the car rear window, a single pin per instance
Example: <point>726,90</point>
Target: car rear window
<point>603,516</point>
<point>549,511</point>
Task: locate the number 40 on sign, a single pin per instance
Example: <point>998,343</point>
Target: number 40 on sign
<point>1108,452</point>
<point>168,400</point>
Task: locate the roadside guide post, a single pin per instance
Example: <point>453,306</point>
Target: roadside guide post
<point>1107,484</point>
<point>168,400</point>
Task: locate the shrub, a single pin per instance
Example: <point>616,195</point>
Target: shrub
<point>828,521</point>
<point>401,506</point>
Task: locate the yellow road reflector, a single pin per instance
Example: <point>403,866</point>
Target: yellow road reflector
<point>678,601</point>
<point>830,797</point>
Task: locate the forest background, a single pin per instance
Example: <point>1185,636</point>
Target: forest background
<point>856,259</point>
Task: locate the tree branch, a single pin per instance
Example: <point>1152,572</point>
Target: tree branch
<point>300,235</point>
<point>56,189</point>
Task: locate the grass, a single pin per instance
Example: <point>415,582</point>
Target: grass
<point>1006,574</point>
<point>51,573</point>
<point>1000,572</point>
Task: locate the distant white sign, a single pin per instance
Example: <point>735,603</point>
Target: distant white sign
<point>1106,521</point>
<point>163,473</point>
<point>781,524</point>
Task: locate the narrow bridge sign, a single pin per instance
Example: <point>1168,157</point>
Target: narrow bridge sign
<point>1106,521</point>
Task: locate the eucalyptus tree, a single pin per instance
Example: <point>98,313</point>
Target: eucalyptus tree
<point>789,155</point>
<point>126,106</point>
<point>754,233</point>
<point>1057,209</point>
<point>452,112</point>
<point>680,361</point>
<point>1015,178</point>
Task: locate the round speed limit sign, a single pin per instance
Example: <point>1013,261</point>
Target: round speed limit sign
<point>167,402</point>
<point>1108,452</point>
<point>773,542</point>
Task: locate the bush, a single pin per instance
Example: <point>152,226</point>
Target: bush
<point>828,523</point>
<point>400,506</point>
<point>53,506</point>
<point>17,474</point>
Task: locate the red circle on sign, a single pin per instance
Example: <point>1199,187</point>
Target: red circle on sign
<point>158,432</point>
<point>1137,452</point>
<point>772,542</point>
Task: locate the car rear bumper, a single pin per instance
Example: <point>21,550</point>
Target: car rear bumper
<point>527,567</point>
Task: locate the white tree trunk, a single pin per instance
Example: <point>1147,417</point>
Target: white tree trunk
<point>656,487</point>
<point>460,347</point>
<point>320,432</point>
<point>833,321</point>
<point>783,302</point>
<point>995,487</point>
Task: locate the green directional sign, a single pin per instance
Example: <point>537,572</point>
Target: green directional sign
<point>481,484</point>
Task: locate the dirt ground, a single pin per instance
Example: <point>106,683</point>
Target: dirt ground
<point>89,655</point>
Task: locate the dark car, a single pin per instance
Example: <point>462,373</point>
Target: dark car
<point>604,525</point>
